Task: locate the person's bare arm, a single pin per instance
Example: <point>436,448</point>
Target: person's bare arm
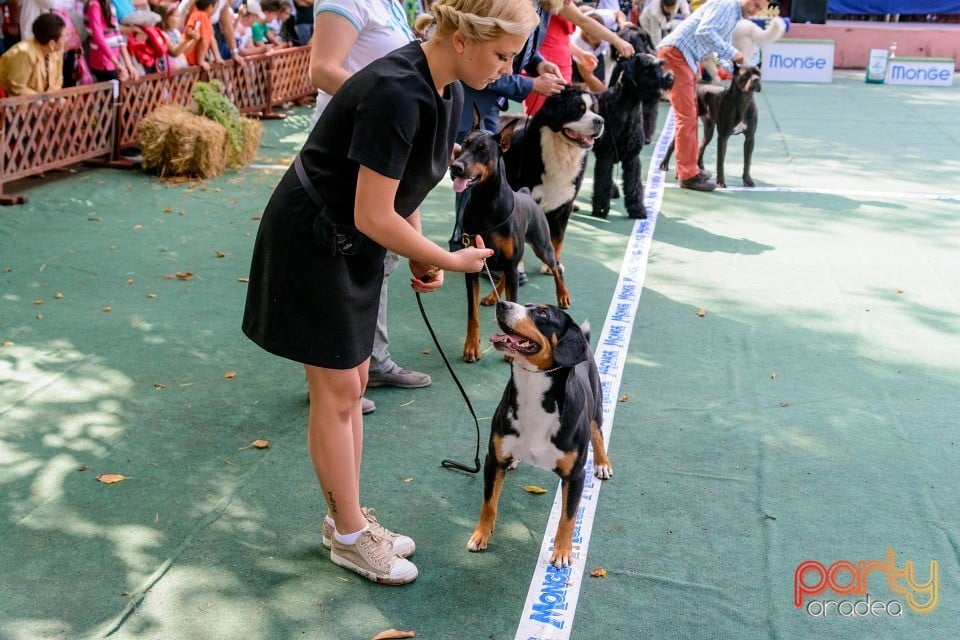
<point>327,53</point>
<point>590,26</point>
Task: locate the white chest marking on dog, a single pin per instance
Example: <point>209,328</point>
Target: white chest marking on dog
<point>561,164</point>
<point>535,425</point>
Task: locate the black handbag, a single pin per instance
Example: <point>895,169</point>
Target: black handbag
<point>333,238</point>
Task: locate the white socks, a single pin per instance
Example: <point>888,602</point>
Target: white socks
<point>350,538</point>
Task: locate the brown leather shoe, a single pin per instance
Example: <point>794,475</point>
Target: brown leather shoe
<point>698,183</point>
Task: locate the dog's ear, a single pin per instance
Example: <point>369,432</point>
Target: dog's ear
<point>476,117</point>
<point>736,69</point>
<point>505,136</point>
<point>572,349</point>
<point>759,64</point>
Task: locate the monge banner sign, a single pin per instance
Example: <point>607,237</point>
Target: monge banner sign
<point>798,61</point>
<point>933,72</point>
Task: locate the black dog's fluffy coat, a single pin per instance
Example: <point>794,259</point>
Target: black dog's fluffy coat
<point>638,78</point>
<point>651,104</point>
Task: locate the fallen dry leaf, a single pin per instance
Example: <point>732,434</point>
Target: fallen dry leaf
<point>8,343</point>
<point>159,385</point>
<point>151,295</point>
<point>167,210</point>
<point>221,254</point>
<point>229,375</point>
<point>598,573</point>
<point>58,296</point>
<point>39,316</point>
<point>899,290</point>
<point>129,280</point>
<point>242,279</point>
<point>138,226</point>
<point>773,376</point>
<point>534,489</point>
<point>784,404</point>
<point>256,444</point>
<point>110,478</point>
<point>389,634</point>
<point>184,276</point>
<point>425,352</point>
<point>38,302</point>
<point>701,312</point>
<point>624,398</point>
<point>408,479</point>
<point>83,468</point>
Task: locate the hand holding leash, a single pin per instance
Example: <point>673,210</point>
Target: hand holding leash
<point>473,257</point>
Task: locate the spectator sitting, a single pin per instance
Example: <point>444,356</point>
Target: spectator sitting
<point>35,65</point>
<point>199,20</point>
<point>177,43</point>
<point>596,78</point>
<point>250,29</point>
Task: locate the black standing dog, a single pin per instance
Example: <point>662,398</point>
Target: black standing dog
<point>651,104</point>
<point>728,111</point>
<point>506,219</point>
<point>551,410</point>
<point>549,154</point>
<point>639,77</point>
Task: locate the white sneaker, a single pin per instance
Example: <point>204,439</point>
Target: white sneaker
<point>403,546</point>
<point>372,557</point>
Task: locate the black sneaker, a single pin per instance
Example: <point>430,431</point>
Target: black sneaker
<point>698,183</point>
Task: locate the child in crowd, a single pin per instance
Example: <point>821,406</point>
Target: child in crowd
<point>278,12</point>
<point>251,29</point>
<point>582,44</point>
<point>108,57</point>
<point>199,20</point>
<point>177,43</point>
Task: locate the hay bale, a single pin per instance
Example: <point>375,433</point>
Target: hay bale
<point>250,144</point>
<point>175,141</point>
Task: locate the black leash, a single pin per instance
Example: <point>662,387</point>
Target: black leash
<point>453,464</point>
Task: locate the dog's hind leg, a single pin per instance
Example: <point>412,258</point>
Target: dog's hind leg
<point>665,165</point>
<point>633,187</point>
<point>602,183</point>
<point>493,475</point>
<point>708,129</point>
<point>747,157</point>
<point>570,490</point>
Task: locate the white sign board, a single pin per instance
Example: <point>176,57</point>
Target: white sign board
<point>930,72</point>
<point>795,60</point>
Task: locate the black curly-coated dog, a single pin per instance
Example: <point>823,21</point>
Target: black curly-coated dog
<point>641,44</point>
<point>638,77</point>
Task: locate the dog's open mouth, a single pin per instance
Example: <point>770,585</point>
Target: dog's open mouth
<point>462,184</point>
<point>514,343</point>
<point>584,141</point>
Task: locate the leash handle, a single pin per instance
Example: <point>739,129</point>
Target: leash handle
<point>453,464</point>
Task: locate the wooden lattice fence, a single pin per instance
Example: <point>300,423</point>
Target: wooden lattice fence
<point>99,121</point>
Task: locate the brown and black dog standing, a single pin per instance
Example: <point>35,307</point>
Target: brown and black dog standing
<point>506,219</point>
<point>551,411</point>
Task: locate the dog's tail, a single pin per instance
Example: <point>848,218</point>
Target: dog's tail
<point>774,31</point>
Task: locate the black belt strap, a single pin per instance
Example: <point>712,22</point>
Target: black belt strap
<point>306,184</point>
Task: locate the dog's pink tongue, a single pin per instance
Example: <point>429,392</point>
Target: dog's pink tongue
<point>460,184</point>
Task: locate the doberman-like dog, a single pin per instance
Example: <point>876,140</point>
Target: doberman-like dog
<point>506,219</point>
<point>728,111</point>
<point>550,412</point>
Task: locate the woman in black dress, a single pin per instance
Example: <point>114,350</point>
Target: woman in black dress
<point>354,191</point>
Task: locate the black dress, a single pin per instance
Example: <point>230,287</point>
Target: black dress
<point>302,303</point>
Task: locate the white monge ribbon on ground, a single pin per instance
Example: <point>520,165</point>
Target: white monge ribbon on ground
<point>552,599</point>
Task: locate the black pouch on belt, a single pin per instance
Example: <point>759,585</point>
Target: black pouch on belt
<point>332,237</point>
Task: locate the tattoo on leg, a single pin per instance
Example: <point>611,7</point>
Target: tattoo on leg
<point>331,502</point>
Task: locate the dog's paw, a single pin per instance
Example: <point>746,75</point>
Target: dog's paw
<point>471,353</point>
<point>545,268</point>
<point>603,471</point>
<point>478,541</point>
<point>563,301</point>
<point>561,557</point>
<point>514,463</point>
<point>490,299</point>
<point>748,182</point>
<point>721,184</point>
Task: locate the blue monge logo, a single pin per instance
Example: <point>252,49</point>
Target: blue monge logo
<point>901,71</point>
<point>806,63</point>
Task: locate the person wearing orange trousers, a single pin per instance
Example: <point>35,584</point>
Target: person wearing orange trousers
<point>708,30</point>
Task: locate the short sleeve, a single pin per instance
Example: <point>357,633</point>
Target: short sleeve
<point>357,12</point>
<point>387,121</point>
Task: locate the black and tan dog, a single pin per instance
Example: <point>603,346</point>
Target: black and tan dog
<point>637,78</point>
<point>506,219</point>
<point>549,154</point>
<point>550,412</point>
<point>728,111</point>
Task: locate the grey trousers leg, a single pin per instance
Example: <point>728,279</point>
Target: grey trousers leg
<point>380,359</point>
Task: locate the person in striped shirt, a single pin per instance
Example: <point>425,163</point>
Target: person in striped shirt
<point>707,31</point>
